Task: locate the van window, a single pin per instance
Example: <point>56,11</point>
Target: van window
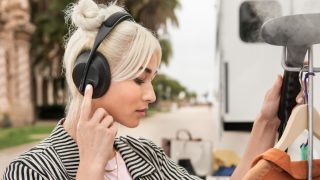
<point>252,15</point>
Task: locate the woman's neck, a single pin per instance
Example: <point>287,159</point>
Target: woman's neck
<point>70,125</point>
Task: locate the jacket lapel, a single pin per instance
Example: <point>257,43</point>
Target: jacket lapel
<point>135,156</point>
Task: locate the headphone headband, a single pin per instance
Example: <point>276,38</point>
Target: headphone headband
<point>106,27</point>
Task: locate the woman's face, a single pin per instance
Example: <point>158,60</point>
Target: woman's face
<point>127,101</point>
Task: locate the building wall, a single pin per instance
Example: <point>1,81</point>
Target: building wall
<point>15,72</point>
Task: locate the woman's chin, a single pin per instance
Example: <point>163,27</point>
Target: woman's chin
<point>133,123</point>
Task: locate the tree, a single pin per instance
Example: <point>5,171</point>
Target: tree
<point>47,41</point>
<point>154,15</point>
<point>169,89</point>
<point>166,51</point>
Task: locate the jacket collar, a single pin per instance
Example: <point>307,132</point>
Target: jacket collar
<point>66,148</point>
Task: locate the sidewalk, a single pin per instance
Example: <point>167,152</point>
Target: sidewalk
<point>7,155</point>
<point>198,120</point>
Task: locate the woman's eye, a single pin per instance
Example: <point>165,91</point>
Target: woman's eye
<point>138,81</point>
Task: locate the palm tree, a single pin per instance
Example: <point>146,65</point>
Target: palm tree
<point>166,50</point>
<point>154,15</point>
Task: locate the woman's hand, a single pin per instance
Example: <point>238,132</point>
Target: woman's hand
<point>270,106</point>
<point>264,129</point>
<point>95,138</point>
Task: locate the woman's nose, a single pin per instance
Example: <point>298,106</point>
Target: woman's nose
<point>149,94</point>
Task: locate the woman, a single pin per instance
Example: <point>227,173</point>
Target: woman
<point>84,144</point>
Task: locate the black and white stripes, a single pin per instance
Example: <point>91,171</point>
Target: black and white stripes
<point>57,158</point>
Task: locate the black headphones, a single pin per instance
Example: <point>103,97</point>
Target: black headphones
<point>91,67</point>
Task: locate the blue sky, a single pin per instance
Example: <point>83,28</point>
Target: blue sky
<point>193,46</point>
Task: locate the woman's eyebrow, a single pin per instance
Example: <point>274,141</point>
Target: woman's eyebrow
<point>149,71</point>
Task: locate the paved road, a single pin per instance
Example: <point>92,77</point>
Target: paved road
<point>9,154</point>
<point>198,120</point>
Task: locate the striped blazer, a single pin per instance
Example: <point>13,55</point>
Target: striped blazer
<point>57,158</point>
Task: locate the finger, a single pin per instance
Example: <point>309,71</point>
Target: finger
<point>300,98</point>
<point>86,104</point>
<point>98,115</point>
<point>276,88</point>
<point>114,128</point>
<point>107,121</point>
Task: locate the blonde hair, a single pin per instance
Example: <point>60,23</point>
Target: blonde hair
<point>127,48</point>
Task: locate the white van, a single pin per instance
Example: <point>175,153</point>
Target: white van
<point>247,67</point>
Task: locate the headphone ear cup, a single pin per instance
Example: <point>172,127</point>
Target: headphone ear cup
<point>99,75</point>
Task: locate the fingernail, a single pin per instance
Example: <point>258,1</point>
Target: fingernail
<point>88,87</point>
<point>300,100</point>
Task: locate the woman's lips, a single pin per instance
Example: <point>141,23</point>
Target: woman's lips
<point>141,112</point>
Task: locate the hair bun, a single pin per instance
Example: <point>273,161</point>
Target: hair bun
<point>86,15</point>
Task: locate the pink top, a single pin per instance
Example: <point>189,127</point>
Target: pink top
<point>122,170</point>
